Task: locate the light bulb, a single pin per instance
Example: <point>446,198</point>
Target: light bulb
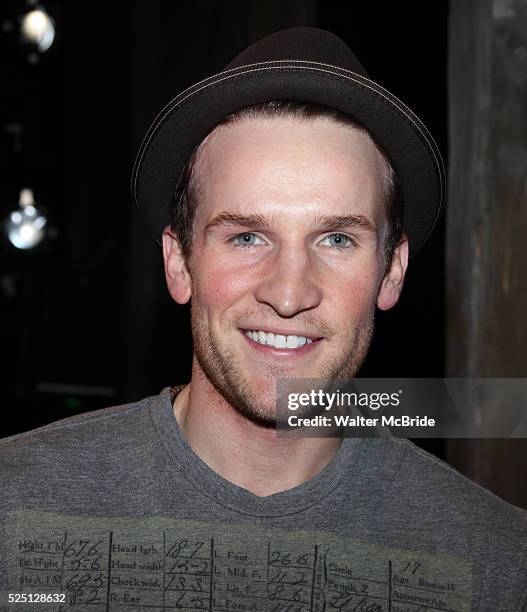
<point>25,226</point>
<point>38,29</point>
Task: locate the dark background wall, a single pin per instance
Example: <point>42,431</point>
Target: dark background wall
<point>86,318</point>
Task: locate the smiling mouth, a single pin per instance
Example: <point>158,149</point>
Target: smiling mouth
<point>278,341</point>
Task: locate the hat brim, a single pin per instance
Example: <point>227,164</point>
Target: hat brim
<point>189,117</point>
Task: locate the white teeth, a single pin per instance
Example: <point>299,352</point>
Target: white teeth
<point>278,340</point>
<point>292,341</point>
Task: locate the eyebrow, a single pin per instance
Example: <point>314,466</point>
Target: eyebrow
<point>322,222</point>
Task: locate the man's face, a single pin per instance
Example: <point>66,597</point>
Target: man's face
<point>286,265</point>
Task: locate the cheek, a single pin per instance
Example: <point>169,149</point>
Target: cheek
<point>216,286</point>
<point>353,297</point>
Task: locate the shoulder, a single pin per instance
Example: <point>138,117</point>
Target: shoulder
<point>460,514</point>
<point>99,420</point>
<point>81,438</point>
<point>446,495</point>
<point>83,463</point>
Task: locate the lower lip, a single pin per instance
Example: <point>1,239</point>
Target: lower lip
<point>282,352</point>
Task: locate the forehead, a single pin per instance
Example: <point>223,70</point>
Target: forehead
<point>295,164</point>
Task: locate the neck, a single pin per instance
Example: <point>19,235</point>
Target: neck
<point>245,453</point>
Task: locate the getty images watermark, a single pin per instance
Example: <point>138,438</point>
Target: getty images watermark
<point>406,408</point>
<point>341,399</point>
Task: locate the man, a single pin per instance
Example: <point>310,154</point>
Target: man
<point>302,187</point>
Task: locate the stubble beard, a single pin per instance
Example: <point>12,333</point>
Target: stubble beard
<point>223,370</point>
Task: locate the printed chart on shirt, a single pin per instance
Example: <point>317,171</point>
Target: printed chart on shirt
<point>100,564</point>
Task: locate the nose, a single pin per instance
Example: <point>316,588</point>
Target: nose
<point>290,285</point>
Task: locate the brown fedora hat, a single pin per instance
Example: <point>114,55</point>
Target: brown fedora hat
<point>304,64</point>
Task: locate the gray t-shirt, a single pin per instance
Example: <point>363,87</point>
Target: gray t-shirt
<point>112,510</point>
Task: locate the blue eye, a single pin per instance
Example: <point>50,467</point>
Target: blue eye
<point>246,240</point>
<point>338,240</point>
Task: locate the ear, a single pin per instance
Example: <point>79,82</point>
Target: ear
<point>177,274</point>
<point>392,282</point>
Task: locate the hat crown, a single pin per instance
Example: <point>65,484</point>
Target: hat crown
<point>301,43</point>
